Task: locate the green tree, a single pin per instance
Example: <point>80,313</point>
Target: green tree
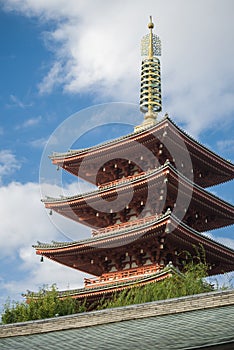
<point>44,304</point>
<point>192,281</point>
<point>47,302</point>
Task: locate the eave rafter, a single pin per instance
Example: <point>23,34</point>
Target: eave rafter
<point>81,255</point>
<point>214,168</point>
<point>205,211</point>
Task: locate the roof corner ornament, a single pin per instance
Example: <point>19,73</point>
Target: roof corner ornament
<point>150,95</point>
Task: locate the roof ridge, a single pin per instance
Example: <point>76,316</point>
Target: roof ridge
<point>166,117</point>
<point>158,219</point>
<point>140,177</point>
<point>83,150</point>
<point>56,245</point>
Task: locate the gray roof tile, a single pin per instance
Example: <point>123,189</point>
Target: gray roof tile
<point>177,331</point>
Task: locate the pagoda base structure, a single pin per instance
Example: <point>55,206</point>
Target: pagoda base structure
<point>105,287</point>
<point>134,254</point>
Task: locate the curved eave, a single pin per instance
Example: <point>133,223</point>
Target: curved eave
<point>202,237</point>
<point>60,158</point>
<point>167,220</point>
<point>122,184</point>
<point>111,288</point>
<point>166,170</point>
<point>206,151</point>
<point>114,287</point>
<point>99,239</point>
<point>219,257</point>
<point>72,154</point>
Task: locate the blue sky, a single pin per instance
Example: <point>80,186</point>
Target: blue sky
<point>58,58</point>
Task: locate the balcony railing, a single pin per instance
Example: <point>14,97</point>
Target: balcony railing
<point>126,225</point>
<point>118,276</point>
<point>124,180</point>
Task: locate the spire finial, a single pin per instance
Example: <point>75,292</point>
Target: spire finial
<point>150,98</point>
<point>150,25</point>
<point>151,49</point>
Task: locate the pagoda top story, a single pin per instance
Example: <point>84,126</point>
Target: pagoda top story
<point>214,170</point>
<point>151,208</point>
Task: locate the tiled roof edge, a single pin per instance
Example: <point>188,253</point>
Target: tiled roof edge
<point>88,319</point>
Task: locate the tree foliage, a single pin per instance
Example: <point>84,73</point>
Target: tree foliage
<point>192,281</point>
<point>46,303</point>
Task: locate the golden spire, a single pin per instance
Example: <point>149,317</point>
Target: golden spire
<point>151,26</point>
<point>150,97</point>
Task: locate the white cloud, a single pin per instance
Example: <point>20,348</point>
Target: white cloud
<point>38,143</point>
<point>53,78</point>
<point>15,101</point>
<point>32,274</point>
<point>49,272</point>
<point>228,242</point>
<point>31,122</point>
<point>24,221</point>
<point>23,218</point>
<point>222,281</point>
<point>226,145</point>
<point>96,49</point>
<point>8,163</point>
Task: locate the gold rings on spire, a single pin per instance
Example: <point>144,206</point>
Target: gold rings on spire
<point>150,97</point>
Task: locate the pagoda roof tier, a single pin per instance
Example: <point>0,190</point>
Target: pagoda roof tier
<point>162,140</point>
<point>119,286</point>
<point>96,292</point>
<point>153,192</point>
<point>90,255</point>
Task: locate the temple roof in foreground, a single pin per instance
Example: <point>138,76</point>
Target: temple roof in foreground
<point>202,321</point>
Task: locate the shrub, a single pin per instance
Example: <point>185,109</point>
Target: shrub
<point>44,304</point>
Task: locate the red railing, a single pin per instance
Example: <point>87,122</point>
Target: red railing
<point>118,276</point>
<point>123,225</point>
<point>120,181</point>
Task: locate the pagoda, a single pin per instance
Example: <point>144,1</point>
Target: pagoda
<point>150,208</point>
